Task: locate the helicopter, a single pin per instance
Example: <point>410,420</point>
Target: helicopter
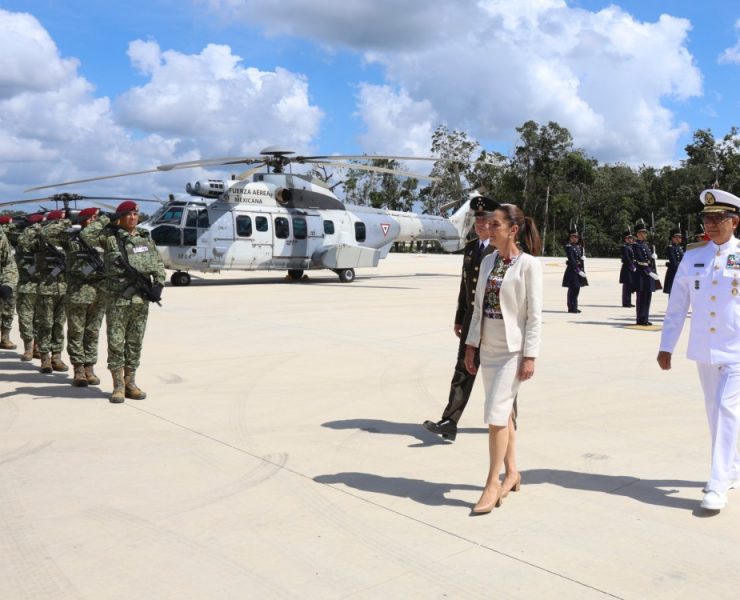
<point>273,220</point>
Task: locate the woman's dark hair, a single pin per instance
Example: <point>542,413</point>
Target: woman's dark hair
<point>528,233</point>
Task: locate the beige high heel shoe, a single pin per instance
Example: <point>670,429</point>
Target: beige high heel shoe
<point>516,487</point>
<point>482,509</point>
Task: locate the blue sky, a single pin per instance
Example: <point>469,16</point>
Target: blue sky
<point>90,88</point>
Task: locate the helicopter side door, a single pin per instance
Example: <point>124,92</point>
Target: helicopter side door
<point>252,246</point>
<point>196,238</point>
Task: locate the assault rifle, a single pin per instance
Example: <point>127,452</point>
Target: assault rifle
<point>138,282</point>
<point>55,258</point>
<point>92,256</point>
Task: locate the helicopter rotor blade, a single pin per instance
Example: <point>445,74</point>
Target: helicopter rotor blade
<point>371,168</point>
<point>249,172</point>
<point>210,162</point>
<point>53,185</point>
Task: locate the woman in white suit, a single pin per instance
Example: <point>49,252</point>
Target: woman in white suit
<point>506,325</point>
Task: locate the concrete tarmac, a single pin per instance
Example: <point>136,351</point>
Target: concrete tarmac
<point>280,454</point>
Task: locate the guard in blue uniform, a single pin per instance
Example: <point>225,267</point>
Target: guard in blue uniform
<point>574,277</point>
<point>674,252</point>
<point>627,272</point>
<point>708,284</point>
<point>646,276</point>
<point>462,381</point>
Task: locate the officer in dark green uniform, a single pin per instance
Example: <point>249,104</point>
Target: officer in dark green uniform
<point>135,276</point>
<point>462,381</point>
<point>28,284</point>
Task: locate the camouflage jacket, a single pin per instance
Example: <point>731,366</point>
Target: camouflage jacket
<point>13,231</point>
<point>25,259</point>
<point>51,263</point>
<point>8,268</point>
<point>141,253</point>
<point>84,279</point>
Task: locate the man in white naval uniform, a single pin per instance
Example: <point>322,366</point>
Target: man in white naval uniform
<point>708,283</point>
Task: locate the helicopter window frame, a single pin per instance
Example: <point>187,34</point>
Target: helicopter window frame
<point>282,228</point>
<point>300,228</point>
<point>175,215</point>
<point>262,223</point>
<point>360,231</point>
<point>166,235</point>
<point>329,227</point>
<point>244,226</point>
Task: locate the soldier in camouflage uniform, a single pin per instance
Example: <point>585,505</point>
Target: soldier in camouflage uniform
<point>128,305</point>
<point>51,316</point>
<point>8,287</point>
<point>28,282</point>
<point>85,302</point>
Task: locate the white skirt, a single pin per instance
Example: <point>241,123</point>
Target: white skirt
<point>499,368</point>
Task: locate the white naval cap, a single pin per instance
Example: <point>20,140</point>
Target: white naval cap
<point>719,201</point>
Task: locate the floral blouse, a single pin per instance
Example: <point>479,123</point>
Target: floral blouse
<point>491,300</point>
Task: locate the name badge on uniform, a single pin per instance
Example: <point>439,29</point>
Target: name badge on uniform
<point>140,249</point>
<point>699,265</point>
<point>733,262</point>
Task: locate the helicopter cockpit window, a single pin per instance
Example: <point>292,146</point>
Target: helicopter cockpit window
<point>261,223</point>
<point>300,229</point>
<point>190,236</point>
<point>166,235</point>
<point>282,228</point>
<point>328,227</point>
<point>203,220</point>
<point>360,233</point>
<point>171,215</point>
<point>243,226</point>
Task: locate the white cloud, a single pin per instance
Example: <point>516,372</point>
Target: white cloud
<point>395,123</point>
<point>216,104</point>
<point>53,127</point>
<point>731,55</point>
<point>487,66</point>
<point>29,59</point>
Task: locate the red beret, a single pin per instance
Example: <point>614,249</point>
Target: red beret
<point>127,206</point>
<point>6,220</point>
<point>86,213</point>
<point>35,218</point>
<point>54,215</point>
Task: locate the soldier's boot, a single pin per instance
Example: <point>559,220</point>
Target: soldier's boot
<point>5,342</point>
<point>79,378</point>
<point>118,386</point>
<point>36,351</point>
<point>46,363</point>
<point>27,350</point>
<point>90,376</point>
<point>132,390</point>
<point>57,363</point>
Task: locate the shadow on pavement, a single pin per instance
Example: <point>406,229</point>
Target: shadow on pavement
<point>414,430</point>
<point>659,492</point>
<point>418,490</point>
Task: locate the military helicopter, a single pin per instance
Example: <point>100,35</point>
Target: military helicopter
<point>273,220</point>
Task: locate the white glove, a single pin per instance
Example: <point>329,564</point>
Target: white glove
<point>654,276</point>
<point>582,273</point>
<point>654,256</point>
<point>73,229</point>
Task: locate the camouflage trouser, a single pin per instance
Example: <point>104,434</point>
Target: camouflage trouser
<point>7,309</point>
<point>50,323</point>
<point>126,325</point>
<point>83,331</point>
<point>26,308</point>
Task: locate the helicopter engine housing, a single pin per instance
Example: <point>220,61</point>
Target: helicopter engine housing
<point>210,188</point>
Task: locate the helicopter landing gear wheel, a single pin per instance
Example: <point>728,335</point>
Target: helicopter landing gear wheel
<point>295,274</point>
<point>346,275</point>
<point>180,278</point>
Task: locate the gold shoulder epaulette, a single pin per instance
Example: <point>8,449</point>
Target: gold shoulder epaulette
<point>694,245</point>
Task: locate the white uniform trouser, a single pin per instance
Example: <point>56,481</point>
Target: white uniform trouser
<point>721,385</point>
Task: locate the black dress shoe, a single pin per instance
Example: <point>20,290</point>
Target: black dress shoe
<point>574,311</point>
<point>447,428</point>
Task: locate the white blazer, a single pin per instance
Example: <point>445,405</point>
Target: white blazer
<point>521,304</point>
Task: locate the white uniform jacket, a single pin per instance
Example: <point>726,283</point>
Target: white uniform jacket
<point>521,304</point>
<point>708,282</point>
